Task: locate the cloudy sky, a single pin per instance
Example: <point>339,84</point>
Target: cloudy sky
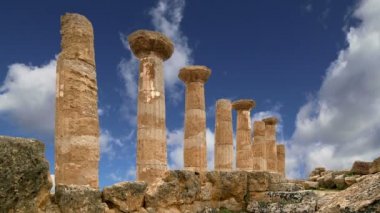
<point>312,63</point>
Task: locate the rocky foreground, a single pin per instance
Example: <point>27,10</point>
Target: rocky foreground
<point>25,187</point>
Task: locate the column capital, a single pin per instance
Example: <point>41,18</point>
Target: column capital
<point>270,121</point>
<point>145,42</point>
<point>243,104</point>
<point>195,73</point>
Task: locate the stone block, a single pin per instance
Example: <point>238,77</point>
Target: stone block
<point>125,196</point>
<point>74,198</point>
<point>375,166</point>
<point>24,175</point>
<point>361,168</point>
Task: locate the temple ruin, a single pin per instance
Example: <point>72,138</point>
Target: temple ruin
<point>151,48</point>
<point>195,148</point>
<point>77,124</point>
<point>76,120</point>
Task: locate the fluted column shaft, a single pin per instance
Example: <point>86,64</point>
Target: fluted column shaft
<point>259,146</point>
<point>76,120</point>
<point>281,159</point>
<point>223,136</point>
<point>271,148</point>
<point>151,124</point>
<point>243,134</point>
<point>195,147</point>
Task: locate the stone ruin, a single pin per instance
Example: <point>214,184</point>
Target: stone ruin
<point>77,124</point>
<point>257,184</point>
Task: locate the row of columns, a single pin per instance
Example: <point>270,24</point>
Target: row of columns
<point>261,153</point>
<point>77,123</point>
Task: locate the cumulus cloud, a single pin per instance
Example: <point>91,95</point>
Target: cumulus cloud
<point>166,18</point>
<point>109,145</point>
<point>342,123</point>
<point>175,140</point>
<point>128,175</point>
<point>27,96</point>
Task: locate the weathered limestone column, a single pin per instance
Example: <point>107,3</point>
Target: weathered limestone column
<point>243,134</point>
<point>223,156</point>
<point>195,149</point>
<point>151,48</point>
<point>259,146</point>
<point>281,159</point>
<point>76,120</point>
<point>271,148</point>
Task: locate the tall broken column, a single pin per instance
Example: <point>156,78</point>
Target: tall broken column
<point>271,148</point>
<point>259,147</point>
<point>243,133</point>
<point>281,159</point>
<point>151,48</point>
<point>195,148</point>
<point>76,120</point>
<point>223,149</point>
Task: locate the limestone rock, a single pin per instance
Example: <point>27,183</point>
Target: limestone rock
<point>349,180</point>
<point>175,188</point>
<point>328,180</point>
<point>375,166</point>
<point>125,196</point>
<point>24,175</point>
<point>311,185</point>
<point>73,199</point>
<point>339,182</point>
<point>302,201</point>
<point>226,185</point>
<point>317,171</point>
<point>360,168</point>
<point>360,197</point>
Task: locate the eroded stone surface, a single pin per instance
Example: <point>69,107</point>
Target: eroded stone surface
<point>24,175</point>
<point>360,197</point>
<point>375,166</point>
<point>244,155</point>
<point>259,161</point>
<point>223,136</point>
<point>76,125</point>
<point>125,196</point>
<point>271,148</point>
<point>361,168</point>
<point>151,48</point>
<point>281,159</point>
<point>195,149</point>
<point>74,198</point>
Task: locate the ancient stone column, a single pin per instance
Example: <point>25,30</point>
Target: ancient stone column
<point>195,149</point>
<point>281,159</point>
<point>76,119</point>
<point>243,134</point>
<point>151,48</point>
<point>271,148</point>
<point>259,147</point>
<point>223,149</point>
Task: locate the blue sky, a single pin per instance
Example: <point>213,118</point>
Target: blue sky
<point>312,63</point>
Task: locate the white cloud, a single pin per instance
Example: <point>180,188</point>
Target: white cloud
<point>129,69</point>
<point>175,141</point>
<point>109,145</point>
<point>128,175</point>
<point>27,96</point>
<point>166,18</point>
<point>342,123</point>
<point>52,190</point>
